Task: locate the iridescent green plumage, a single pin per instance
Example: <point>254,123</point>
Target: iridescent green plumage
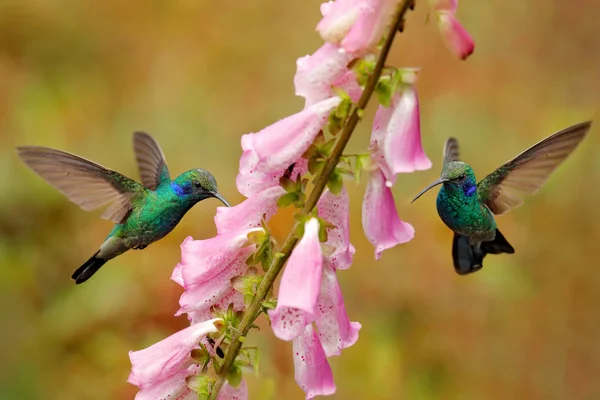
<point>467,207</point>
<point>143,213</point>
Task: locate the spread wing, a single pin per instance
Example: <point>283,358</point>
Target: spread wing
<point>504,189</point>
<point>151,160</point>
<point>85,183</point>
<point>451,152</point>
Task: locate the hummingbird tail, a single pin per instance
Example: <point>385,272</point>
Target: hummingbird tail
<point>468,259</point>
<point>88,269</point>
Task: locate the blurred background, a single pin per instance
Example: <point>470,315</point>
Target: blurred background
<point>82,76</point>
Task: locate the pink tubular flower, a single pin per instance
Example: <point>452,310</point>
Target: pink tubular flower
<point>207,266</point>
<point>396,137</point>
<point>318,73</point>
<point>300,286</point>
<point>456,37</point>
<point>312,371</point>
<point>268,153</point>
<point>380,219</point>
<point>249,213</point>
<point>336,332</point>
<point>357,25</point>
<point>335,210</point>
<point>252,182</point>
<point>160,370</point>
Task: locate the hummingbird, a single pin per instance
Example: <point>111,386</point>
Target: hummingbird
<point>143,213</point>
<point>468,207</point>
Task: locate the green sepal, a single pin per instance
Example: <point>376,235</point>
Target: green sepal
<point>335,184</point>
<point>234,376</point>
<point>363,69</point>
<point>257,237</point>
<point>288,199</point>
<point>200,355</point>
<point>201,384</point>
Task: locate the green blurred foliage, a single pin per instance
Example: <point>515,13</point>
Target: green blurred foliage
<point>82,76</point>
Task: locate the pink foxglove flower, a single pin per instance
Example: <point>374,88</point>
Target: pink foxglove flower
<point>160,370</point>
<point>455,35</point>
<point>336,210</point>
<point>272,150</point>
<point>312,371</point>
<point>318,73</point>
<point>380,219</point>
<point>252,182</point>
<point>248,213</point>
<point>207,266</point>
<point>396,137</point>
<point>357,25</point>
<point>300,286</point>
<point>336,332</point>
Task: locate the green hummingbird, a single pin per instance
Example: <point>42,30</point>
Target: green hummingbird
<point>143,213</point>
<point>467,207</point>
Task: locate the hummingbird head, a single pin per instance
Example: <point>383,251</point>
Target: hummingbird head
<point>196,185</point>
<point>456,176</point>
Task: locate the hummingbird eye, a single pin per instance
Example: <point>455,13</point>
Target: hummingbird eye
<point>461,177</point>
<point>197,184</point>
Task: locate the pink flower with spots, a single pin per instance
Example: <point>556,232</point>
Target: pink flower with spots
<point>336,210</point>
<point>356,25</point>
<point>160,370</point>
<point>318,73</point>
<point>396,136</point>
<point>207,266</point>
<point>380,219</point>
<point>312,371</point>
<point>336,332</point>
<point>300,286</point>
<point>270,152</point>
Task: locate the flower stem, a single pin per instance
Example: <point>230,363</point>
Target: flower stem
<point>290,242</point>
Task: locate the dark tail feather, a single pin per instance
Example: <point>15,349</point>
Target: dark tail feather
<point>467,259</point>
<point>88,269</point>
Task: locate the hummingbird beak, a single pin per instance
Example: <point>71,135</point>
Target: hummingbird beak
<point>434,183</point>
<point>217,195</point>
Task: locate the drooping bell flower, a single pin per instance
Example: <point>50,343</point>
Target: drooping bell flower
<point>396,136</point>
<point>455,36</point>
<point>316,74</point>
<point>356,25</point>
<point>311,368</point>
<point>160,370</point>
<point>336,331</point>
<point>207,266</point>
<point>336,210</point>
<point>380,219</point>
<point>300,286</point>
<point>270,152</point>
<point>248,214</point>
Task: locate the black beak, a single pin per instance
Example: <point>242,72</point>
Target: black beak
<point>217,195</point>
<point>434,183</point>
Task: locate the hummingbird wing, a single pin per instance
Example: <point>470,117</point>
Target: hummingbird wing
<point>504,189</point>
<point>151,160</point>
<point>451,152</point>
<point>85,183</point>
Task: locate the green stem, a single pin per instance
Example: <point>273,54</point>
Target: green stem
<point>290,242</point>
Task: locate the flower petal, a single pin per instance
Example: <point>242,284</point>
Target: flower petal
<point>336,332</point>
<point>279,145</point>
<point>335,210</point>
<point>315,74</point>
<point>300,286</point>
<point>169,356</point>
<point>249,213</point>
<point>456,37</point>
<point>380,219</point>
<point>312,371</point>
<point>229,392</point>
<point>338,18</point>
<point>232,297</point>
<point>402,147</point>
<point>368,29</point>
<point>251,182</point>
<point>172,387</point>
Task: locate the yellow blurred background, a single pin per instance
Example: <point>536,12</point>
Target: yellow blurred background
<point>83,75</point>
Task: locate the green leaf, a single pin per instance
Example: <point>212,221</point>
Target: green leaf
<point>287,199</point>
<point>335,183</point>
<point>315,166</point>
<point>234,377</point>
